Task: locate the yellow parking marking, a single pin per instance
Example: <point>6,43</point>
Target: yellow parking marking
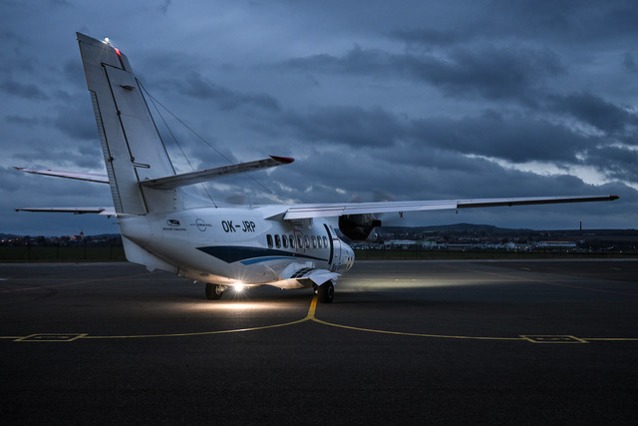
<point>311,317</point>
<point>548,338</point>
<point>51,337</point>
<point>404,333</point>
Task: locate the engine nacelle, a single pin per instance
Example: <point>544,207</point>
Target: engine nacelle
<point>358,227</point>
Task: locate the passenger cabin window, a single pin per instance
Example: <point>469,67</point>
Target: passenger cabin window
<point>284,239</point>
<point>299,242</point>
<point>314,242</point>
<point>325,242</point>
<point>269,240</point>
<point>277,241</point>
<point>292,240</point>
<point>307,241</point>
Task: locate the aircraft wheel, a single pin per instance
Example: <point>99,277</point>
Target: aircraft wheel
<point>326,292</point>
<point>214,291</point>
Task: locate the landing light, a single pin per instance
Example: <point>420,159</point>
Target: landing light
<point>239,288</point>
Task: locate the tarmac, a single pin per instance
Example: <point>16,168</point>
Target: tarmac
<point>427,342</point>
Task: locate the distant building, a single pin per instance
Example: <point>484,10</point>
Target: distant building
<point>555,245</point>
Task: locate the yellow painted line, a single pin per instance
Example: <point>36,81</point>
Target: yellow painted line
<point>312,309</point>
<point>522,338</point>
<point>311,316</point>
<point>41,337</point>
<point>610,339</point>
<point>200,333</point>
<point>404,333</point>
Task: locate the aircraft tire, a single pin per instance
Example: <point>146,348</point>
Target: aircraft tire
<point>214,291</point>
<point>326,292</point>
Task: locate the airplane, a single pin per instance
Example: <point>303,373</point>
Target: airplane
<point>285,246</point>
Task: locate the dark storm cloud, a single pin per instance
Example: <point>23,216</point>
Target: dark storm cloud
<point>76,121</point>
<point>353,126</point>
<point>495,73</point>
<point>629,62</point>
<point>428,37</point>
<point>492,72</point>
<point>595,111</point>
<point>22,121</point>
<point>199,87</point>
<point>615,162</point>
<point>59,157</point>
<point>514,138</point>
<point>23,90</point>
<point>562,21</point>
<point>164,6</point>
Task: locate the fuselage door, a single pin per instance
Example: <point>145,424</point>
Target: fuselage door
<point>335,249</point>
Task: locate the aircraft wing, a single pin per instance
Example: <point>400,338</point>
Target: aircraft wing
<point>172,182</point>
<point>307,211</point>
<point>89,177</point>
<point>103,211</point>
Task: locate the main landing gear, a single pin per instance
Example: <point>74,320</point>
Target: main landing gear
<point>214,291</point>
<point>326,292</point>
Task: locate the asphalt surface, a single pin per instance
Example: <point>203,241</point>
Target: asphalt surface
<point>433,342</point>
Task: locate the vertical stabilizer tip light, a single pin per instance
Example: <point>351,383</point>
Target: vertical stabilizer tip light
<point>107,41</point>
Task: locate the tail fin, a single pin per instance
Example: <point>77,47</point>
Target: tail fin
<point>133,150</point>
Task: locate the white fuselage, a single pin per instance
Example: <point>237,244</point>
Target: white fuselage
<point>239,245</point>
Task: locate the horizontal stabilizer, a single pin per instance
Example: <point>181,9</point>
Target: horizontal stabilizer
<point>307,211</point>
<point>89,177</point>
<point>172,182</point>
<point>103,211</point>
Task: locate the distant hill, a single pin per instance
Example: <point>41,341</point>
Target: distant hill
<point>458,227</point>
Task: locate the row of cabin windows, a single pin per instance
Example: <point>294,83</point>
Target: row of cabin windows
<point>306,241</point>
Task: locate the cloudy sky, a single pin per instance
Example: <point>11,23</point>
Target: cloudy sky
<point>376,100</point>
